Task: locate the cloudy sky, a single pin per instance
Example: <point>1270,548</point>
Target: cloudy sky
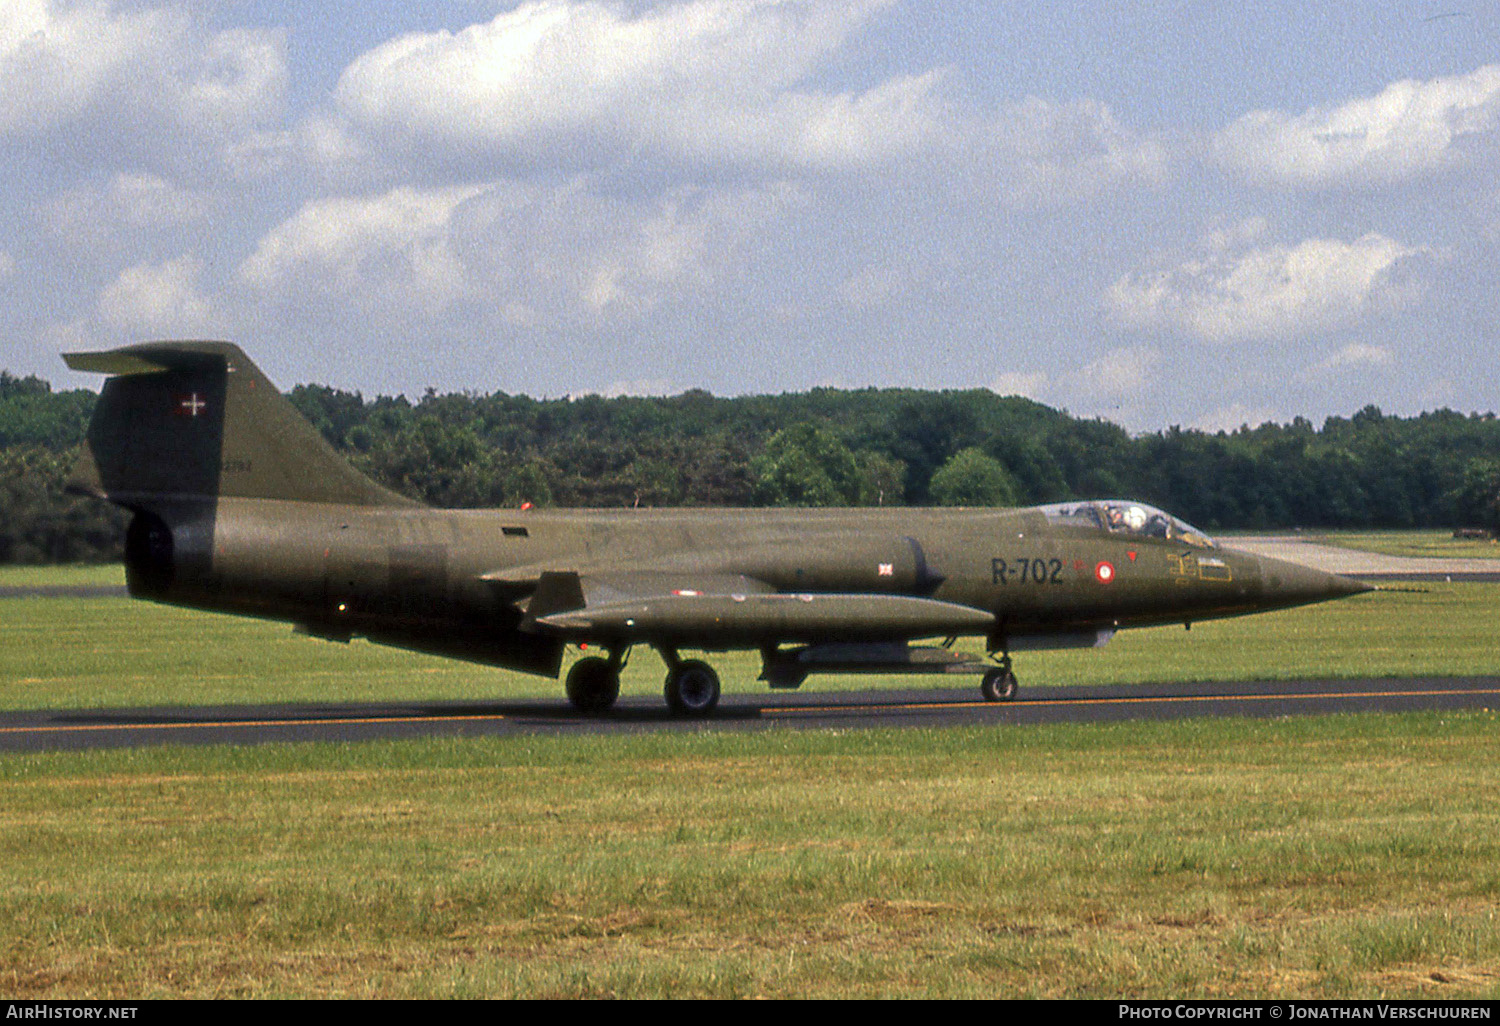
<point>1161,213</point>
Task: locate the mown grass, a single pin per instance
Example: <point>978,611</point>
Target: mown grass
<point>1437,544</point>
<point>1319,857</point>
<point>1323,857</point>
<point>73,575</point>
<point>68,652</point>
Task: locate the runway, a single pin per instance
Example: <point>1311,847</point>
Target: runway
<point>1366,566</point>
<point>118,728</point>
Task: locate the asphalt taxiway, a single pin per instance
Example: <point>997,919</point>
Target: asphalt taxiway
<point>1366,566</point>
<point>114,728</point>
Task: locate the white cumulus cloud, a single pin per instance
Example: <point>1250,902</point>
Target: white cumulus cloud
<point>1112,384</point>
<point>1030,385</point>
<point>394,247</point>
<point>1407,129</point>
<point>1044,151</point>
<point>530,255</point>
<point>129,203</point>
<point>1237,287</point>
<point>161,300</point>
<point>1235,416</point>
<point>583,84</point>
<point>574,254</point>
<point>1121,372</point>
<point>21,21</point>
<point>1354,356</point>
<point>635,387</point>
<point>101,78</point>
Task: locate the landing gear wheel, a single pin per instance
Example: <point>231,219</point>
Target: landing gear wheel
<point>593,685</point>
<point>692,688</point>
<point>998,685</point>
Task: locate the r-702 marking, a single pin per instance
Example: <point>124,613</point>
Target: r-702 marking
<point>1026,571</point>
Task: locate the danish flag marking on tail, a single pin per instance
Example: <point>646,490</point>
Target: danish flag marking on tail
<point>190,405</point>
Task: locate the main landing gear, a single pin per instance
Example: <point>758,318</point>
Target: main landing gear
<point>593,684</point>
<point>692,686</point>
<point>999,684</point>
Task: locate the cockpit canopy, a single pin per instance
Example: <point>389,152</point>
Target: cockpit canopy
<point>1123,517</point>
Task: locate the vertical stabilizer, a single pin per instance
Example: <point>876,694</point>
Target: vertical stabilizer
<point>187,421</point>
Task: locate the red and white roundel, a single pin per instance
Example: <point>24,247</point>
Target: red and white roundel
<point>1105,573</point>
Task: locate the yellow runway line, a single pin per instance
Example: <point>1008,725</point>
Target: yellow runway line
<point>805,710</point>
<point>220,724</point>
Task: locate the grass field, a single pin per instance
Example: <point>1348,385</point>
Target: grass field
<point>1440,544</point>
<point>83,574</point>
<point>1350,856</point>
<point>64,652</point>
<point>1332,857</point>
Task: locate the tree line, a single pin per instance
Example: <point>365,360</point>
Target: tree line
<point>827,447</point>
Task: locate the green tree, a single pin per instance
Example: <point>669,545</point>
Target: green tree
<point>804,465</point>
<point>39,523</point>
<point>1477,498</point>
<point>973,478</point>
<point>525,482</point>
<point>32,414</point>
<point>882,480</point>
<point>440,464</point>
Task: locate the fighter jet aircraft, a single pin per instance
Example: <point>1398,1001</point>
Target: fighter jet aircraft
<point>240,506</point>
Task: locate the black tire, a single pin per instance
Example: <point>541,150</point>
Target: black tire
<point>692,688</point>
<point>998,686</point>
<point>593,685</point>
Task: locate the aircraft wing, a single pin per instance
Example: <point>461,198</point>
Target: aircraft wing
<point>720,610</point>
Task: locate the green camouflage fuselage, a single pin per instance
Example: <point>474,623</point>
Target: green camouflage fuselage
<point>241,507</point>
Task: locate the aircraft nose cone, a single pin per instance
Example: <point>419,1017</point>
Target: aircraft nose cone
<point>1292,584</point>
